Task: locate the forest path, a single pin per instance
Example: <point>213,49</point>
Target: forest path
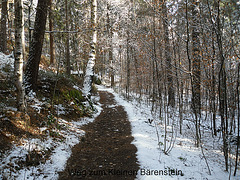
<point>105,152</point>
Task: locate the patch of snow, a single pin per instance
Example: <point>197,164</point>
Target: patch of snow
<point>49,170</point>
<point>37,105</point>
<point>60,109</point>
<point>43,129</point>
<point>11,108</point>
<point>6,60</point>
<point>77,72</point>
<point>184,157</point>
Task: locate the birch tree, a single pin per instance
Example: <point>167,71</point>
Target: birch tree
<point>87,84</point>
<point>18,64</point>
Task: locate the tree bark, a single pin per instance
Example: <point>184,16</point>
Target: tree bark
<point>87,84</point>
<point>170,87</point>
<point>35,52</point>
<point>128,68</point>
<point>52,48</point>
<point>213,93</point>
<point>238,122</point>
<point>68,68</point>
<point>196,58</point>
<point>18,53</point>
<point>29,23</point>
<point>110,52</point>
<point>222,89</point>
<point>3,45</point>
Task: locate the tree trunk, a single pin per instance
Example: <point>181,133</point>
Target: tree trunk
<point>18,64</point>
<point>238,123</point>
<point>35,52</point>
<point>128,68</point>
<point>170,87</point>
<point>52,49</point>
<point>153,60</point>
<point>110,36</point>
<point>196,59</point>
<point>222,89</point>
<point>87,85</point>
<point>29,23</point>
<point>68,68</point>
<point>192,80</point>
<point>3,45</point>
<point>213,94</point>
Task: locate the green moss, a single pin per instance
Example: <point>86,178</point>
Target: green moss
<point>94,90</point>
<point>96,80</point>
<point>74,95</point>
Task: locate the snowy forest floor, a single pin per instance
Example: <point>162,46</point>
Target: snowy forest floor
<point>185,160</point>
<point>105,152</point>
<point>61,137</point>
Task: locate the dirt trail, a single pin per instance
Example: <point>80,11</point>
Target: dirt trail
<point>105,152</point>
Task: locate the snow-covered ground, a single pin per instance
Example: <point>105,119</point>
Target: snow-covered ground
<point>9,167</point>
<point>6,60</point>
<point>184,158</point>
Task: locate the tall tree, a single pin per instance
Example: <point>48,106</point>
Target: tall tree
<point>3,35</point>
<point>35,52</point>
<point>196,58</point>
<point>110,46</point>
<point>52,49</point>
<point>30,5</point>
<point>222,87</point>
<point>87,84</point>
<point>68,69</point>
<point>18,54</point>
<point>168,56</point>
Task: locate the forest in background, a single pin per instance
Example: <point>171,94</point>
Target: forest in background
<point>180,56</point>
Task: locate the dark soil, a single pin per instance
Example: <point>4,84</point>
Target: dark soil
<point>105,152</point>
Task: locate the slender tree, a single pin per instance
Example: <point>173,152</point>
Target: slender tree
<point>168,56</point>
<point>196,58</point>
<point>238,121</point>
<point>110,46</point>
<point>18,53</point>
<point>196,68</point>
<point>68,69</point>
<point>52,48</point>
<point>222,88</point>
<point>87,84</point>
<point>35,51</point>
<point>3,34</point>
<point>30,22</point>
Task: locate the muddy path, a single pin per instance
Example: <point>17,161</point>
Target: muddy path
<point>105,152</point>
